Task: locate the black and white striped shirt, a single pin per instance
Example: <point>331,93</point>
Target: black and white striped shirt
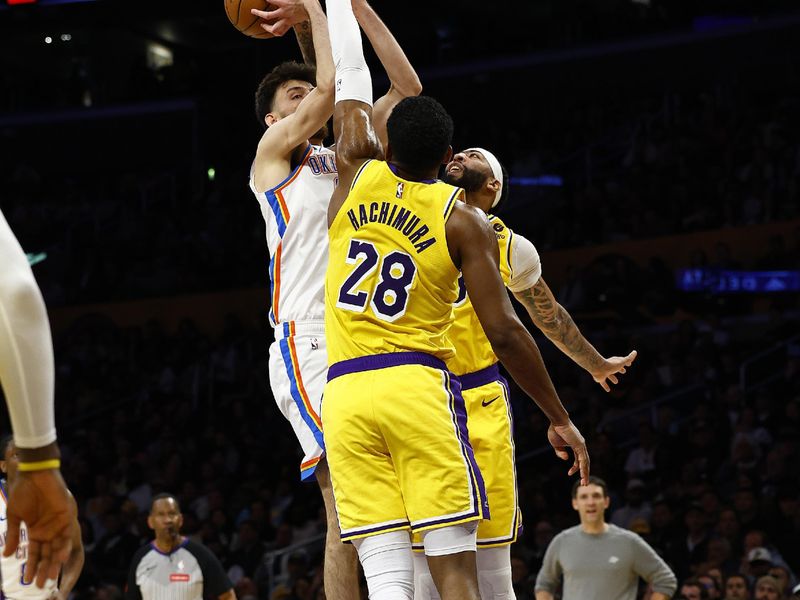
<point>189,572</point>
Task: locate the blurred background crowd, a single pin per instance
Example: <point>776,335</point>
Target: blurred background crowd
<point>643,138</point>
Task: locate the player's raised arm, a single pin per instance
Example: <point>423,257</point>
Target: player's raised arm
<point>557,324</point>
<point>356,141</point>
<point>285,134</point>
<point>403,79</point>
<point>473,246</point>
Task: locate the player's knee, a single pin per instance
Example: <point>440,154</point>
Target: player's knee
<point>424,588</point>
<point>494,573</point>
<point>451,540</point>
<point>388,565</point>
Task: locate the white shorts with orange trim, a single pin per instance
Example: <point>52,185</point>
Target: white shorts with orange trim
<point>298,368</point>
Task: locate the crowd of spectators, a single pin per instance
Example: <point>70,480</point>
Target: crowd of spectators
<point>707,477</point>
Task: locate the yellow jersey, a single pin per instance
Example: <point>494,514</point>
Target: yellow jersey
<point>391,283</point>
<point>473,351</point>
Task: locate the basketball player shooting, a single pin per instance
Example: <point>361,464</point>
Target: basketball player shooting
<point>38,496</point>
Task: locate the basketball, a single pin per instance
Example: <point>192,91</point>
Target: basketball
<point>239,15</point>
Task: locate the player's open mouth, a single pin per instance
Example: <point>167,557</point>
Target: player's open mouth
<point>453,168</point>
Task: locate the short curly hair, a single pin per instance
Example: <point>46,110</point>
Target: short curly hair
<point>420,131</point>
<point>287,71</point>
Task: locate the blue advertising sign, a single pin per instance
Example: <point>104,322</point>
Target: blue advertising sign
<point>737,282</point>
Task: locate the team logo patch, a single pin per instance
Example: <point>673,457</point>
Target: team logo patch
<point>400,187</point>
<point>179,577</point>
<point>498,227</point>
<point>314,344</point>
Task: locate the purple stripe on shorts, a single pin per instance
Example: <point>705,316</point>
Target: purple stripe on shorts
<point>460,413</point>
<point>373,530</point>
<point>383,361</point>
<point>479,378</point>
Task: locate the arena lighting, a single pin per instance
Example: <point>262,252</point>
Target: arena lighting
<point>13,2</point>
<point>48,40</point>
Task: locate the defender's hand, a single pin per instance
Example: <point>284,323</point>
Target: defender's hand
<point>563,436</point>
<point>42,500</point>
<point>284,15</point>
<point>610,367</point>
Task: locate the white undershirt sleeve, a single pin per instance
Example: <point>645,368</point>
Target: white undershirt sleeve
<point>526,267</point>
<point>27,372</point>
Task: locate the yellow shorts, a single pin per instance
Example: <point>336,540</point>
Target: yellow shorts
<point>491,433</point>
<point>397,446</point>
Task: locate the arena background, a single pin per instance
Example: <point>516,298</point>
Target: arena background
<point>655,154</point>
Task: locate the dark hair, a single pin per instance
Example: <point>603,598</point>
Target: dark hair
<point>4,443</point>
<point>699,585</point>
<point>287,71</point>
<point>503,192</point>
<point>592,481</point>
<point>420,131</point>
<point>165,496</point>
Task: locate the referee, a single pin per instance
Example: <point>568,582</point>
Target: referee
<point>173,567</point>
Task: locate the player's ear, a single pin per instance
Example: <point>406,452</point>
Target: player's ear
<point>575,503</point>
<point>270,119</point>
<point>607,502</point>
<point>3,466</point>
<point>448,156</point>
<point>494,185</point>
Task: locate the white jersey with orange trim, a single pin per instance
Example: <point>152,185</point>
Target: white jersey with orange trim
<point>296,215</point>
<point>13,567</point>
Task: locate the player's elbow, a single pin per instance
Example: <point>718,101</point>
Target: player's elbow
<point>505,339</point>
<point>412,87</point>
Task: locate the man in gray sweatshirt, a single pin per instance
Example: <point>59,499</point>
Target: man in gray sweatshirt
<point>599,561</point>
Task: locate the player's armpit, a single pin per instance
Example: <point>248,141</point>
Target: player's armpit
<point>356,142</point>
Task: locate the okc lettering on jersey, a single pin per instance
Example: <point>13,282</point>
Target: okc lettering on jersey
<point>322,164</point>
<point>389,213</point>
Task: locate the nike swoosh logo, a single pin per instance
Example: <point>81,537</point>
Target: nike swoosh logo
<point>485,403</point>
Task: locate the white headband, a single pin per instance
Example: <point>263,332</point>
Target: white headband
<point>497,171</point>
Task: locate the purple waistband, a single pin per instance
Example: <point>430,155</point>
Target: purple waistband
<point>383,361</point>
<point>479,378</point>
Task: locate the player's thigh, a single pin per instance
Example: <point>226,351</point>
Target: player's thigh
<point>424,421</point>
<point>490,425</point>
<point>365,486</point>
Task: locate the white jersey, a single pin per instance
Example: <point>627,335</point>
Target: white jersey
<point>296,215</point>
<point>13,567</point>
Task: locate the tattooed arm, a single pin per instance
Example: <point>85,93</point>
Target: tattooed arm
<point>303,33</point>
<point>554,320</point>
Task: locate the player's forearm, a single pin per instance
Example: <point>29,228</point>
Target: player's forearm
<point>401,74</point>
<point>543,595</point>
<point>305,40</point>
<point>520,355</point>
<point>557,324</point>
<point>27,370</point>
<point>322,46</point>
<point>658,596</point>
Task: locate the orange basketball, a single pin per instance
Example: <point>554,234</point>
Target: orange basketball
<point>239,15</point>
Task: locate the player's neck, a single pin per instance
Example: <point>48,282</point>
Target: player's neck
<point>412,174</point>
<point>594,528</point>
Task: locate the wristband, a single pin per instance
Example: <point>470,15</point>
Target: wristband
<point>41,465</point>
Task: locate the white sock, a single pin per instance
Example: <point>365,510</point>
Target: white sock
<point>494,573</point>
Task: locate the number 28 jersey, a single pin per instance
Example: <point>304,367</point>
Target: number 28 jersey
<point>391,283</point>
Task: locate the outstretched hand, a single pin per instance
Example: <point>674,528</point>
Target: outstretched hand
<point>610,367</point>
<point>284,15</point>
<point>41,499</point>
<point>566,436</point>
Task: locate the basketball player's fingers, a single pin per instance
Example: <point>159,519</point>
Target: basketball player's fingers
<point>32,564</point>
<point>613,378</point>
<point>267,15</point>
<point>276,29</point>
<point>630,358</point>
<point>604,384</point>
<point>12,535</point>
<point>561,453</point>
